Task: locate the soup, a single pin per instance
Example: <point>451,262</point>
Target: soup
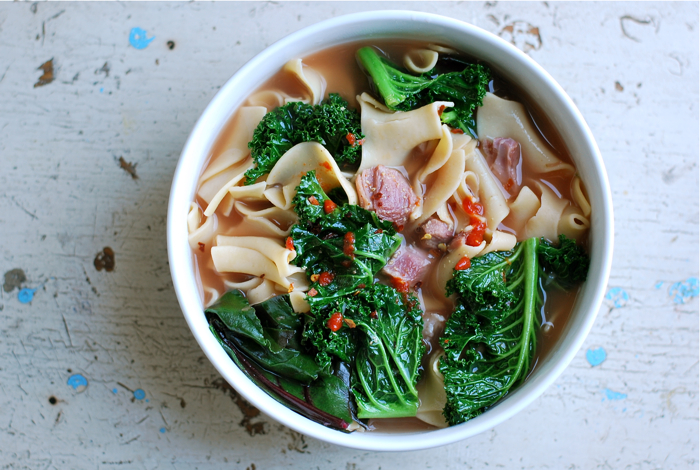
<point>399,249</point>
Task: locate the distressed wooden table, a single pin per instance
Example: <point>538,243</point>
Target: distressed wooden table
<point>98,368</point>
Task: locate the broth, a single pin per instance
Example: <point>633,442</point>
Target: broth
<point>343,76</point>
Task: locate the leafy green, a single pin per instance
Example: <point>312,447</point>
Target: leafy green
<point>382,336</point>
<point>264,341</point>
<point>568,262</point>
<point>490,339</point>
<point>403,91</point>
<point>319,240</point>
<point>327,123</point>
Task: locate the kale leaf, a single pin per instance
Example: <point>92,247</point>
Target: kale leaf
<point>403,91</point>
<point>264,341</point>
<point>567,263</point>
<point>320,241</point>
<point>382,335</point>
<point>490,339</point>
<point>328,123</point>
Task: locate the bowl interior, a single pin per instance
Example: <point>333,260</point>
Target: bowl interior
<point>511,64</point>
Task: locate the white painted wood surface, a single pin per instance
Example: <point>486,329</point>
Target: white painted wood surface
<point>632,68</point>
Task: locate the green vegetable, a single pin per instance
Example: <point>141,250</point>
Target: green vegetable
<point>264,341</point>
<point>319,240</point>
<point>327,123</point>
<point>567,263</point>
<point>403,91</point>
<point>382,336</point>
<point>490,339</point>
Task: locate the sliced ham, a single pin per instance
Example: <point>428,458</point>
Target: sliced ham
<point>408,264</point>
<point>387,192</point>
<point>504,158</point>
<point>433,232</point>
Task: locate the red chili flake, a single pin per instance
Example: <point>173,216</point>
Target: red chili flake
<point>509,184</point>
<point>457,131</point>
<point>418,285</point>
<point>349,322</point>
<point>379,231</point>
<point>327,166</point>
<point>329,206</point>
<point>361,141</point>
<point>312,292</point>
<point>351,139</point>
<point>325,278</point>
<point>361,286</point>
<point>472,207</point>
<point>349,245</point>
<point>399,284</point>
<point>201,246</point>
<point>373,314</point>
<point>446,341</point>
<point>313,200</point>
<point>346,263</point>
<point>397,227</point>
<point>476,236</point>
<point>335,322</point>
<point>464,263</point>
<point>441,109</point>
<point>504,276</point>
<point>289,244</point>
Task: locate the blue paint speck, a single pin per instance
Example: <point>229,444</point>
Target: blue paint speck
<point>596,356</point>
<point>114,390</point>
<point>162,430</point>
<point>610,395</point>
<point>78,382</point>
<point>102,90</point>
<point>685,290</point>
<point>618,296</point>
<point>26,295</point>
<point>139,394</point>
<point>138,39</point>
<point>659,284</point>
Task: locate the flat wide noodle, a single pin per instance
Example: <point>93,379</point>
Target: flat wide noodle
<point>247,119</point>
<point>245,286</point>
<point>266,222</point>
<point>390,137</point>
<point>271,99</point>
<point>438,158</point>
<point>261,293</point>
<point>431,393</point>
<point>310,78</point>
<point>500,241</point>
<point>420,60</point>
<point>490,196</point>
<point>295,163</point>
<point>545,223</point>
<point>299,303</point>
<point>522,209</point>
<point>194,218</point>
<point>224,191</point>
<point>447,180</point>
<point>272,249</point>
<point>573,224</point>
<point>502,118</point>
<point>204,233</point>
<point>235,259</point>
<point>578,194</point>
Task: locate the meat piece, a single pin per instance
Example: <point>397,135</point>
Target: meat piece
<point>408,264</point>
<point>387,192</point>
<point>433,232</point>
<point>504,158</point>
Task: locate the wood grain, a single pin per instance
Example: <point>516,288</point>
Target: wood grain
<point>632,68</point>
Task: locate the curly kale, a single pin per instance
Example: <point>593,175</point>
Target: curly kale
<point>403,91</point>
<point>332,123</point>
<point>490,339</point>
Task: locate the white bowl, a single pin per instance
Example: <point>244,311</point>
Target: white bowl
<point>512,65</point>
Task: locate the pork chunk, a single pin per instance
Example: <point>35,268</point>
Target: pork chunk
<point>408,264</point>
<point>504,157</point>
<point>387,192</point>
<point>433,232</point>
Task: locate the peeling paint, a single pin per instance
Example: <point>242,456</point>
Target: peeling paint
<point>596,357</point>
<point>48,75</point>
<point>618,296</point>
<point>78,382</point>
<point>138,39</point>
<point>683,291</point>
<point>613,396</point>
